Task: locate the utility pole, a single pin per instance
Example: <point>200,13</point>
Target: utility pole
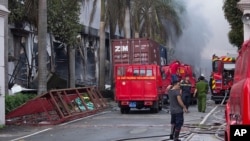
<point>3,46</point>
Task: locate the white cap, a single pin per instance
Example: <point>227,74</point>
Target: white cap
<point>202,74</point>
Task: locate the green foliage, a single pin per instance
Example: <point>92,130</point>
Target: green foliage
<point>63,20</point>
<point>17,11</point>
<point>14,101</point>
<point>63,17</point>
<point>153,17</point>
<point>1,126</point>
<point>233,16</point>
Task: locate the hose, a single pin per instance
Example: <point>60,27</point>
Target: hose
<point>156,136</point>
<point>200,129</point>
<point>225,96</point>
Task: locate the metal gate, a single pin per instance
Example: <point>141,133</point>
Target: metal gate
<point>57,106</point>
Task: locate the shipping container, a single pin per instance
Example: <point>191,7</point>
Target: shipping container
<point>138,51</point>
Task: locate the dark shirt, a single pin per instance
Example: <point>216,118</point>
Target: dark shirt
<point>175,107</point>
<point>186,87</point>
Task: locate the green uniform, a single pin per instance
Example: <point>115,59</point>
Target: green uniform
<point>202,89</point>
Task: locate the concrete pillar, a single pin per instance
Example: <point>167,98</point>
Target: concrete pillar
<point>3,13</point>
<point>244,6</point>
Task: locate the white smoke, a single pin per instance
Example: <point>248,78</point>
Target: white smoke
<point>205,33</point>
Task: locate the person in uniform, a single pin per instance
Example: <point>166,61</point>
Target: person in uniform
<point>177,108</point>
<point>186,90</point>
<point>201,91</point>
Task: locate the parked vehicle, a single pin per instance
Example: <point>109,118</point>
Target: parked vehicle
<point>221,79</point>
<point>141,74</point>
<point>238,105</point>
<point>138,86</point>
<point>137,73</point>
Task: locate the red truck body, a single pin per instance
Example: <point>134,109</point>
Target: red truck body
<point>138,86</point>
<point>221,79</point>
<point>238,105</point>
<point>137,73</point>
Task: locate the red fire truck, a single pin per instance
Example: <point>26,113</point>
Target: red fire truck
<point>238,105</point>
<point>221,78</point>
<point>137,73</point>
<point>183,70</point>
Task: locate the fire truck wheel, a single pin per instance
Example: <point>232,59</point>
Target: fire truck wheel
<point>124,110</point>
<point>127,109</point>
<point>217,102</point>
<point>155,107</point>
<point>160,108</point>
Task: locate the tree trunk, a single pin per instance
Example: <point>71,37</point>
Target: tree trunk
<point>111,36</point>
<point>137,35</point>
<point>127,20</point>
<point>85,52</point>
<point>42,45</point>
<point>97,64</point>
<point>102,47</point>
<point>52,57</point>
<point>71,67</point>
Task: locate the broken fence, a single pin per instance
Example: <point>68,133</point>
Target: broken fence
<point>57,106</point>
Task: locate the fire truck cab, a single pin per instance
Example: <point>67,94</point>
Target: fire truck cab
<point>221,79</point>
<point>138,86</point>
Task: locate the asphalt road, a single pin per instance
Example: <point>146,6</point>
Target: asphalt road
<point>138,125</point>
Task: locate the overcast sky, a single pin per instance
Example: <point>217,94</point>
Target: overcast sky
<point>205,34</point>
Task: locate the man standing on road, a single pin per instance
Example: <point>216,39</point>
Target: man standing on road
<point>186,91</point>
<point>201,90</point>
<point>176,109</point>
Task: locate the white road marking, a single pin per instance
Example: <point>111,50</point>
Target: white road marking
<point>44,130</point>
<point>84,118</point>
<point>47,129</point>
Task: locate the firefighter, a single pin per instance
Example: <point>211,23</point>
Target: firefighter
<point>201,91</point>
<point>186,91</point>
<point>177,108</point>
<point>174,70</point>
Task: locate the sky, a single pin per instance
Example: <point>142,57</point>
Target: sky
<point>205,33</point>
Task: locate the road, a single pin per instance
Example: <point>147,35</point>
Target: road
<point>138,125</point>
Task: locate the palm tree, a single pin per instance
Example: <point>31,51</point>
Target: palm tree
<point>150,17</point>
<point>127,28</point>
<point>42,44</point>
<point>102,58</point>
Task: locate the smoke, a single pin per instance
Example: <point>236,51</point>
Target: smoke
<point>196,35</point>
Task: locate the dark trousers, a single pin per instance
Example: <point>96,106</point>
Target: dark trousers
<point>177,120</point>
<point>186,97</point>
